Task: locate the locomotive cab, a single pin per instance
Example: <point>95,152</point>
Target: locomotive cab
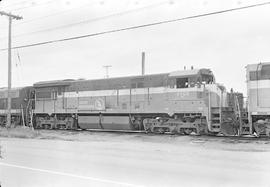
<point>191,78</point>
<point>258,86</point>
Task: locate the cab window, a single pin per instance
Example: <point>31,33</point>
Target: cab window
<point>182,83</point>
<point>265,72</point>
<point>253,75</point>
<point>207,79</point>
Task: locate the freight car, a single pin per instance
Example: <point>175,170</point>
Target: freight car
<point>258,87</point>
<point>20,105</point>
<point>184,102</point>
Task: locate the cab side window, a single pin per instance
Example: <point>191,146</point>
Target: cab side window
<point>182,83</point>
<point>253,75</point>
<point>265,72</point>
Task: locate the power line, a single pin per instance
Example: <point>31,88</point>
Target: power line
<point>138,26</point>
<point>94,19</point>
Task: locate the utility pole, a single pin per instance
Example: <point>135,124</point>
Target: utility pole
<point>10,17</point>
<point>107,70</point>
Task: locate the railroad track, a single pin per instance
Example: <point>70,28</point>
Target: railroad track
<point>243,137</point>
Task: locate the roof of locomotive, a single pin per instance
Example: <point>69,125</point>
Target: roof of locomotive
<point>179,73</point>
<point>15,92</point>
<point>4,89</point>
<point>65,82</point>
<point>255,67</point>
<point>191,72</point>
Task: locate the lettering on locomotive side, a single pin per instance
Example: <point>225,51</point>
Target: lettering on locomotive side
<point>92,103</point>
<point>99,104</point>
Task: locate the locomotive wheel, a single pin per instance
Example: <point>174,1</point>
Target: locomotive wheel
<point>180,131</point>
<point>147,128</point>
<point>187,131</point>
<point>67,127</point>
<point>158,130</point>
<point>161,130</point>
<point>196,131</point>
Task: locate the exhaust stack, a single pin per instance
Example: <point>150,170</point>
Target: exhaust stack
<point>143,63</point>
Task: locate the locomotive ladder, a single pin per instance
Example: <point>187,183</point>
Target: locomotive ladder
<point>29,115</point>
<point>238,114</point>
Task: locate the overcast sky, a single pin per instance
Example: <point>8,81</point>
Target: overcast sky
<point>225,43</point>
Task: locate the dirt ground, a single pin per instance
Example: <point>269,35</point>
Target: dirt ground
<point>82,158</point>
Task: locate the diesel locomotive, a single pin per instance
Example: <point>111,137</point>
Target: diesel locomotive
<point>179,102</point>
<point>182,102</point>
<point>258,91</point>
<point>20,105</point>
